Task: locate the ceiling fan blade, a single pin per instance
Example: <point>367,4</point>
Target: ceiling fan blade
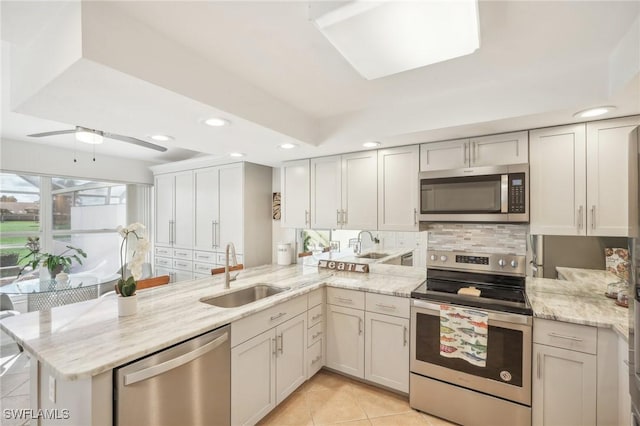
<point>56,132</point>
<point>134,141</point>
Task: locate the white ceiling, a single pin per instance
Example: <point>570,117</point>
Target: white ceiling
<point>266,67</point>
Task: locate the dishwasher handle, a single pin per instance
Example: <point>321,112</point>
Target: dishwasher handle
<point>147,373</point>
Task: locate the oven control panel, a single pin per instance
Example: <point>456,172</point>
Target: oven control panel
<point>495,263</point>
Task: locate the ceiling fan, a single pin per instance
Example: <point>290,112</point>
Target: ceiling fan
<point>92,136</point>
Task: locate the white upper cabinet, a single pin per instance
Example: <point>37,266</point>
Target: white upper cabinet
<point>165,189</point>
<point>174,207</point>
<point>230,229</point>
<point>609,151</point>
<point>580,178</point>
<point>360,190</point>
<point>496,150</point>
<point>207,208</point>
<point>558,180</point>
<point>493,150</point>
<point>398,188</point>
<point>326,192</point>
<point>444,155</point>
<point>294,209</point>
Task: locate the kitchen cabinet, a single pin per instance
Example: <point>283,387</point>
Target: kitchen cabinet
<point>492,150</point>
<point>579,178</point>
<point>294,207</point>
<point>344,191</point>
<point>174,207</point>
<point>624,400</point>
<point>315,332</point>
<point>387,350</point>
<point>564,374</point>
<point>398,188</point>
<point>345,340</point>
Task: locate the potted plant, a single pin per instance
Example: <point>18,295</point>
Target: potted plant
<point>126,286</point>
<point>55,263</point>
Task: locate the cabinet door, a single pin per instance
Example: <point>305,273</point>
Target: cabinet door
<point>253,381</point>
<point>294,208</point>
<point>557,180</point>
<point>231,207</point>
<point>206,208</point>
<point>608,153</point>
<point>495,150</point>
<point>387,351</point>
<point>564,387</point>
<point>291,366</point>
<point>398,189</point>
<point>164,186</point>
<point>326,193</point>
<point>360,190</point>
<point>345,340</point>
<point>184,201</point>
<point>624,399</point>
<point>444,155</point>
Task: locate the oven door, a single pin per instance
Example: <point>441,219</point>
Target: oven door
<point>508,370</point>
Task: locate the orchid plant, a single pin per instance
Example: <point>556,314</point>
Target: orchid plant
<point>140,246</point>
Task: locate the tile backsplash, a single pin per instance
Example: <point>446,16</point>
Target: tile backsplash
<point>479,238</point>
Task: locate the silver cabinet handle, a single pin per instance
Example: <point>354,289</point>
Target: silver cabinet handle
<point>176,362</point>
<point>404,335</point>
<point>318,358</point>
<point>344,217</point>
<point>538,365</point>
<point>563,336</point>
<point>213,234</point>
<point>415,216</point>
<point>280,315</point>
<point>593,217</point>
<point>307,219</point>
<point>338,216</point>
<point>360,326</point>
<point>343,299</point>
<point>315,336</point>
<point>315,317</point>
<point>281,344</point>
<point>380,305</point>
<point>464,153</point>
<point>580,217</point>
<point>343,221</point>
<point>171,232</point>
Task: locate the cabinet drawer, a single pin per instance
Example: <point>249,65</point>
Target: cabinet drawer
<point>388,305</point>
<point>316,297</point>
<point>163,251</point>
<point>315,359</point>
<point>183,254</point>
<point>315,334</point>
<point>183,265</point>
<point>564,335</point>
<point>202,268</point>
<point>165,262</point>
<point>348,298</point>
<point>246,328</point>
<point>315,315</point>
<point>205,257</point>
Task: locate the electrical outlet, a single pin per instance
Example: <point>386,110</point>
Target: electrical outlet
<point>52,389</point>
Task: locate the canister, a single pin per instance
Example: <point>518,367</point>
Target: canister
<point>284,253</point>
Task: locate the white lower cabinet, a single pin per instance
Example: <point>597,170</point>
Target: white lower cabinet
<point>387,351</point>
<point>316,332</point>
<point>345,340</point>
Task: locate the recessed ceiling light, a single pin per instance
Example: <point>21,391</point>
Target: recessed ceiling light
<point>594,112</point>
<point>288,145</point>
<point>161,138</point>
<point>216,122</point>
<point>372,144</point>
<point>236,154</point>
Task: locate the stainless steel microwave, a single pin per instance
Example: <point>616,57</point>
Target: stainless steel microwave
<point>478,194</point>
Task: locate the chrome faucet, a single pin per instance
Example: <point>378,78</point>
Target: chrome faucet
<point>359,244</point>
<point>227,276</point>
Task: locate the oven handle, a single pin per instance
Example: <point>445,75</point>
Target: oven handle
<point>493,315</point>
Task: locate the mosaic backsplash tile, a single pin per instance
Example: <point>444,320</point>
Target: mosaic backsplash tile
<point>480,238</point>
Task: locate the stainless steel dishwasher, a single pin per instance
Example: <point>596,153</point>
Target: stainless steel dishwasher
<point>186,384</point>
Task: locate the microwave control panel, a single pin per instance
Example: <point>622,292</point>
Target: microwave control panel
<point>517,193</point>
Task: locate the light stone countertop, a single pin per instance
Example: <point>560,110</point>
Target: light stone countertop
<point>578,299</point>
<point>349,256</point>
<point>85,339</point>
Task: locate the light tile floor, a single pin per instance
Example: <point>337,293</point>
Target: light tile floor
<point>14,382</point>
<point>329,399</point>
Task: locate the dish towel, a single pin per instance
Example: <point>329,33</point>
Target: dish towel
<point>463,334</point>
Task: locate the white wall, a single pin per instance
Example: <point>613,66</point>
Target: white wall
<point>41,159</point>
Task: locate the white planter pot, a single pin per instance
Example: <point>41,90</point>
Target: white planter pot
<point>127,305</point>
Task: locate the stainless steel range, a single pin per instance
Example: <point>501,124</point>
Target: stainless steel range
<point>490,382</point>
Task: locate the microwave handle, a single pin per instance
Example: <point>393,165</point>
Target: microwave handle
<point>504,194</point>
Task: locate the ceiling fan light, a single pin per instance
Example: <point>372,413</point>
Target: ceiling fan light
<point>89,137</point>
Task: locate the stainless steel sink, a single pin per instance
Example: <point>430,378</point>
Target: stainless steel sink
<point>373,255</point>
<point>244,296</point>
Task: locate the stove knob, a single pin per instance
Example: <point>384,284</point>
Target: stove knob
<point>443,258</point>
<point>514,264</point>
<point>433,257</point>
<point>501,263</point>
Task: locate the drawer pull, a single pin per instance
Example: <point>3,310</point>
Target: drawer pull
<point>315,336</point>
<point>274,342</point>
<point>280,315</point>
<point>318,358</point>
<point>562,336</point>
<point>382,306</point>
<point>404,335</point>
<point>343,299</point>
<point>315,317</point>
<point>538,362</point>
<point>359,326</point>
